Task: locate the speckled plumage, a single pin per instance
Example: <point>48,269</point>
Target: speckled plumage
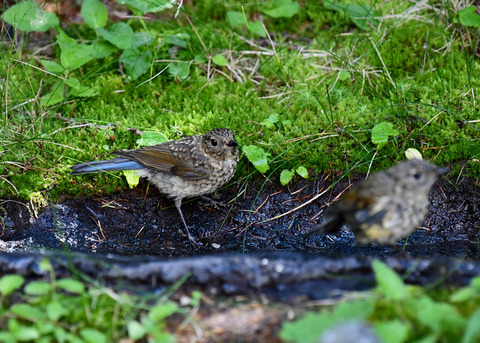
<point>184,168</point>
<point>387,206</point>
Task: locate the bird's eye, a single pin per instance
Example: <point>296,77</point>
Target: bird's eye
<point>417,176</point>
<point>213,142</point>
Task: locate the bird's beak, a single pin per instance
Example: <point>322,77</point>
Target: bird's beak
<point>232,143</point>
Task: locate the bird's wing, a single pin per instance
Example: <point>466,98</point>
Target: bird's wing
<point>181,161</point>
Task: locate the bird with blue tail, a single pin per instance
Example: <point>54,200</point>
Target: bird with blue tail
<point>188,167</point>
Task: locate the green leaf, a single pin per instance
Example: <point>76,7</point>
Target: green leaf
<point>135,330</point>
<point>160,312</point>
<point>26,333</point>
<point>78,89</point>
<point>258,157</point>
<point>148,6</point>
<point>73,55</point>
<point>10,283</point>
<point>136,63</point>
<point>28,312</point>
<point>380,133</point>
<point>55,310</point>
<point>335,6</point>
<point>282,9</point>
<point>385,329</point>
<point>303,172</point>
<point>71,285</point>
<point>344,75</point>
<point>463,294</point>
<point>469,17</point>
<point>388,282</point>
<point>26,16</point>
<point>199,58</point>
<point>438,316</point>
<point>120,34</point>
<point>286,176</point>
<point>101,49</point>
<point>55,96</point>
<point>271,120</point>
<point>236,19</point>
<point>141,39</point>
<point>38,288</point>
<point>472,331</point>
<point>179,39</point>
<point>411,153</point>
<point>7,337</point>
<point>151,138</point>
<point>94,13</point>
<point>93,336</point>
<point>219,60</point>
<point>362,15</point>
<point>132,178</point>
<point>52,67</point>
<point>179,70</point>
<point>257,29</point>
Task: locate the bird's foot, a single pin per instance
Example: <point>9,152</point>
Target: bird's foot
<point>218,205</point>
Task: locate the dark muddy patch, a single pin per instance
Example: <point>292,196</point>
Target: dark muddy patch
<point>146,229</point>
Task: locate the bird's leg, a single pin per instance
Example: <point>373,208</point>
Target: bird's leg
<point>178,203</point>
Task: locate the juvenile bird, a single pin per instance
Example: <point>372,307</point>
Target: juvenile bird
<point>184,168</point>
<point>387,206</point>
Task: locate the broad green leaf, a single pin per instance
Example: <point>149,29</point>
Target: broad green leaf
<point>151,138</point>
<point>28,312</point>
<point>135,330</point>
<point>180,39</point>
<point>27,16</point>
<point>303,172</point>
<point>257,29</point>
<point>160,312</point>
<point>179,70</point>
<point>73,55</point>
<point>199,58</point>
<point>463,294</point>
<point>362,16</point>
<point>94,13</point>
<point>142,38</point>
<point>132,178</point>
<point>412,153</point>
<point>282,9</point>
<point>236,19</point>
<point>469,17</point>
<point>56,95</point>
<point>10,283</point>
<point>219,60</point>
<point>258,157</point>
<point>38,288</point>
<point>55,310</point>
<point>71,285</point>
<point>389,284</point>
<point>101,49</point>
<point>148,6</point>
<point>52,67</point>
<point>120,34</point>
<point>385,329</point>
<point>286,176</point>
<point>380,133</point>
<point>93,336</point>
<point>334,5</point>
<point>26,333</point>
<point>344,75</point>
<point>472,331</point>
<point>78,89</point>
<point>271,120</point>
<point>136,63</point>
<point>440,317</point>
<point>7,337</point>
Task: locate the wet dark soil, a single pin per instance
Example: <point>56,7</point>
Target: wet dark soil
<point>136,223</point>
<point>134,240</point>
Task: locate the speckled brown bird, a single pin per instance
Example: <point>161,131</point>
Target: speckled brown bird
<point>184,168</point>
<point>387,206</point>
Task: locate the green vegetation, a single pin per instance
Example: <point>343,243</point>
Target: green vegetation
<point>307,84</point>
<point>65,310</point>
<point>399,313</point>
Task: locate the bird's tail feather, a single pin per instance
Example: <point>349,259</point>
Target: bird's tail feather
<point>115,164</point>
